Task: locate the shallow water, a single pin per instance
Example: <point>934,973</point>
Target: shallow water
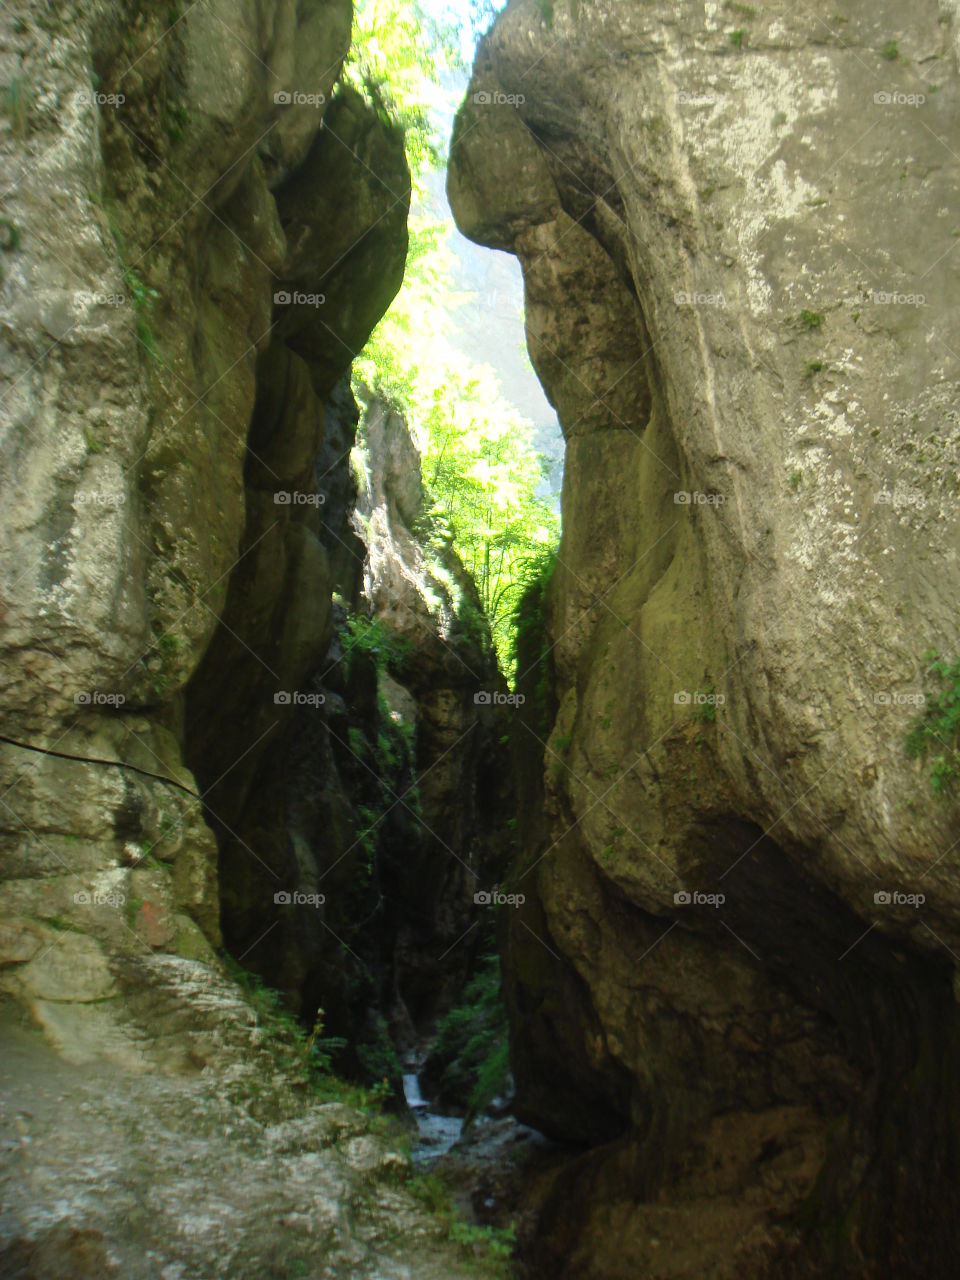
<point>437,1133</point>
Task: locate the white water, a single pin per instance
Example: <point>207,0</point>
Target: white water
<point>437,1133</point>
<point>411,1091</point>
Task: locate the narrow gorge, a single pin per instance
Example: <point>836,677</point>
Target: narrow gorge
<point>580,901</point>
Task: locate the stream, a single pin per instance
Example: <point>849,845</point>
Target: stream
<point>437,1133</point>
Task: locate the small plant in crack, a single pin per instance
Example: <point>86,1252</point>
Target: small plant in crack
<point>143,297</point>
<point>936,729</point>
<point>92,440</point>
<point>142,294</point>
<point>705,703</point>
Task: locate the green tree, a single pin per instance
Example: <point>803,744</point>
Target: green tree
<point>480,464</point>
<point>481,467</point>
<point>400,56</point>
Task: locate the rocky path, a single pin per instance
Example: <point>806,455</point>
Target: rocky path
<point>220,1164</point>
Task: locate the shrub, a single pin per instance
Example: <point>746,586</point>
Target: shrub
<point>472,1043</point>
<point>936,729</point>
<point>368,635</point>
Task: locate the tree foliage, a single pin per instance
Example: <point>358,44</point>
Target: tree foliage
<point>481,468</point>
<point>400,56</point>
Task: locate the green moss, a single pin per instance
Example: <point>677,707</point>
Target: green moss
<point>142,294</point>
<point>890,51</point>
<point>132,908</point>
<point>811,320</point>
<point>812,367</point>
<point>705,712</point>
<point>368,635</point>
<point>935,732</point>
<point>92,440</point>
<point>168,644</point>
<point>738,38</point>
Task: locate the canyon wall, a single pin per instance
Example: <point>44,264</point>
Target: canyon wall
<point>146,172</point>
<point>201,225</point>
<point>733,977</point>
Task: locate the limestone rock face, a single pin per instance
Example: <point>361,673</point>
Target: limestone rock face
<point>188,263</point>
<point>737,231</point>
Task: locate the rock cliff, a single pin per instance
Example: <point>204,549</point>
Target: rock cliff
<point>216,725</point>
<point>733,976</point>
<point>201,226</point>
